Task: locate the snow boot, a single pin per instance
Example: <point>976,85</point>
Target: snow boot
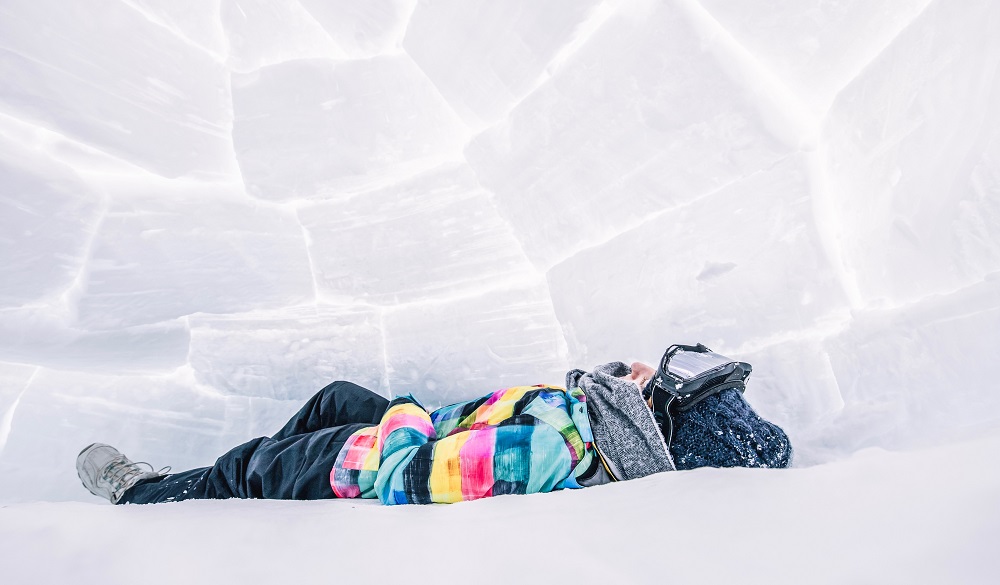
<point>107,473</point>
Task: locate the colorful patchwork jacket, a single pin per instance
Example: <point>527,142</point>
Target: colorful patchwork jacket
<point>519,440</point>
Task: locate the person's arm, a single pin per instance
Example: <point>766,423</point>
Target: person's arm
<point>404,429</point>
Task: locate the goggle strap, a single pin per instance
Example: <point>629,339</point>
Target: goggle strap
<point>683,406</point>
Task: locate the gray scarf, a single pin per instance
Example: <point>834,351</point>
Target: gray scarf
<point>624,429</point>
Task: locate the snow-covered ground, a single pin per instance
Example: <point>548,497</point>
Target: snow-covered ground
<point>927,516</point>
<point>209,209</point>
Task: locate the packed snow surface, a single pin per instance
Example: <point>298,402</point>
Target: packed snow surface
<point>210,209</point>
<point>877,517</point>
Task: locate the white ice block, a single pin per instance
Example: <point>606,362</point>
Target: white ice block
<point>913,148</point>
<point>288,354</point>
<point>735,266</point>
<point>486,56</point>
<point>46,335</point>
<point>435,235</point>
<point>47,216</point>
<point>265,32</point>
<point>317,128</point>
<point>14,379</point>
<point>195,20</point>
<point>641,118</point>
<point>814,46</point>
<point>444,352</point>
<point>104,74</point>
<point>165,252</point>
<point>919,375</point>
<point>363,29</point>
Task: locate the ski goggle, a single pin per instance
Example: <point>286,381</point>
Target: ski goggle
<point>687,374</point>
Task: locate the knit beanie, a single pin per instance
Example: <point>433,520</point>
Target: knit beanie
<point>723,431</point>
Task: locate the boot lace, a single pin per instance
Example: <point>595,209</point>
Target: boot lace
<point>121,473</point>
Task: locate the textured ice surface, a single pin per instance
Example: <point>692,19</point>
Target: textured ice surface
<point>620,133</point>
<point>209,210</point>
<point>13,382</point>
<point>45,336</point>
<point>47,218</point>
<point>913,175</point>
<point>196,21</point>
<point>118,82</point>
<point>363,29</point>
<point>816,47</point>
<point>431,236</point>
<point>922,373</point>
<point>320,128</point>
<point>265,32</point>
<point>715,295</point>
<point>443,352</point>
<point>289,354</point>
<point>165,253</point>
<point>485,56</point>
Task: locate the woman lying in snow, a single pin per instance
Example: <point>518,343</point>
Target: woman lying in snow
<point>615,423</point>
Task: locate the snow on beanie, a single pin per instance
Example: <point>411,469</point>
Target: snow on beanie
<point>724,431</point>
<point>624,429</point>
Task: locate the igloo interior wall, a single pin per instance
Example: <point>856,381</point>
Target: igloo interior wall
<point>211,209</point>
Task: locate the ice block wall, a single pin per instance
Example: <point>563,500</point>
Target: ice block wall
<point>210,209</point>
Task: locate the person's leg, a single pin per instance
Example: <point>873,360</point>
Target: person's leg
<point>298,468</point>
<point>340,403</point>
<point>295,463</point>
<point>295,468</point>
<point>225,479</point>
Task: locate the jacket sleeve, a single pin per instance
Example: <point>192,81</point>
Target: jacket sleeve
<point>404,428</point>
<point>417,468</point>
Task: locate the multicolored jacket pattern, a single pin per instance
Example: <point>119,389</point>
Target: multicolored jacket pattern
<point>519,440</point>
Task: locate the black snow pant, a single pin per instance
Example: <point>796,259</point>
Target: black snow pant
<point>293,464</point>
